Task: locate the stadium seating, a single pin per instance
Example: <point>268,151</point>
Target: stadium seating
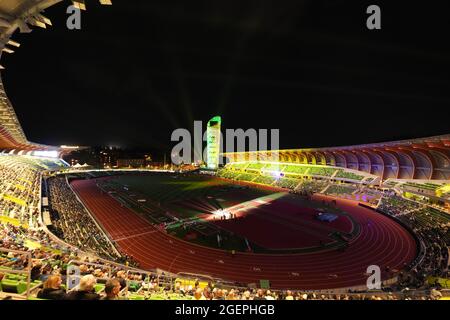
<point>311,186</point>
<point>249,177</point>
<point>431,226</point>
<point>425,186</point>
<point>264,180</point>
<point>321,171</point>
<point>19,188</point>
<point>397,205</point>
<point>77,226</point>
<point>255,166</point>
<point>295,169</point>
<point>296,177</point>
<point>340,189</point>
<point>238,165</point>
<point>287,183</point>
<point>348,175</point>
<point>20,185</point>
<point>274,168</point>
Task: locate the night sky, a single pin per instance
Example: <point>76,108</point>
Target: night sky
<point>140,69</point>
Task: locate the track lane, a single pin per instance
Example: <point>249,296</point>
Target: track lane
<point>384,243</point>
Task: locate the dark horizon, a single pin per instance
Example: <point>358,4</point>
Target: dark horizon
<point>136,72</point>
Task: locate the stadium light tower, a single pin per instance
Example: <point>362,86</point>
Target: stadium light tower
<point>213,142</point>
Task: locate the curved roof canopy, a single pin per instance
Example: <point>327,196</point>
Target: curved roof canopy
<point>426,158</point>
<point>21,15</point>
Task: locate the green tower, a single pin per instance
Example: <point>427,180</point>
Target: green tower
<point>213,142</point>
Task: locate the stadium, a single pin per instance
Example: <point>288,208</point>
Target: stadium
<point>310,225</point>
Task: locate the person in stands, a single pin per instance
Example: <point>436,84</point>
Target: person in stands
<point>198,295</point>
<point>36,270</point>
<point>112,290</point>
<point>121,276</point>
<point>85,289</point>
<point>259,295</point>
<point>232,295</point>
<point>218,294</point>
<point>52,289</point>
<point>289,295</point>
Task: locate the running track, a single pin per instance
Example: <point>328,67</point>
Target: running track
<point>381,242</point>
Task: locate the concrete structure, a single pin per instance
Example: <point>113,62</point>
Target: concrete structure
<point>21,16</point>
<point>422,159</point>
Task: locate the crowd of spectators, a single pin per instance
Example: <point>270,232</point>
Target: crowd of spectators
<point>341,189</point>
<point>396,205</point>
<point>348,175</point>
<point>51,267</point>
<point>77,226</point>
<point>113,290</point>
<point>432,231</point>
<point>288,183</point>
<point>19,189</point>
<point>310,186</point>
<point>50,260</point>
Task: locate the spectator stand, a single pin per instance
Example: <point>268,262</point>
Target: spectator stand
<point>107,237</point>
<point>13,281</point>
<point>140,284</point>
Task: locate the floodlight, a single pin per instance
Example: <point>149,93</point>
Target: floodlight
<point>79,4</point>
<point>44,19</point>
<point>13,43</point>
<point>36,22</point>
<point>7,50</point>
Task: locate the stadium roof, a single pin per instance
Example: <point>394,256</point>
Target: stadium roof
<point>16,14</point>
<point>426,158</point>
<point>20,15</point>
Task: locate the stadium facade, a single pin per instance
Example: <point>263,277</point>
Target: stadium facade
<point>14,15</point>
<point>421,159</point>
<point>426,159</point>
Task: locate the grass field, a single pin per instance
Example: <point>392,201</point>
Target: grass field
<point>189,195</point>
<point>267,220</point>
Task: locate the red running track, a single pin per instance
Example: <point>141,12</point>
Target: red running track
<point>283,225</point>
<point>381,242</point>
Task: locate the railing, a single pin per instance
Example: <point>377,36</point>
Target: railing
<point>27,271</point>
<point>73,275</point>
<point>159,273</point>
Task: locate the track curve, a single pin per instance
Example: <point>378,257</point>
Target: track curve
<point>381,242</point>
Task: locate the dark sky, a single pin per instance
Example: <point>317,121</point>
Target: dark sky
<point>140,69</point>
